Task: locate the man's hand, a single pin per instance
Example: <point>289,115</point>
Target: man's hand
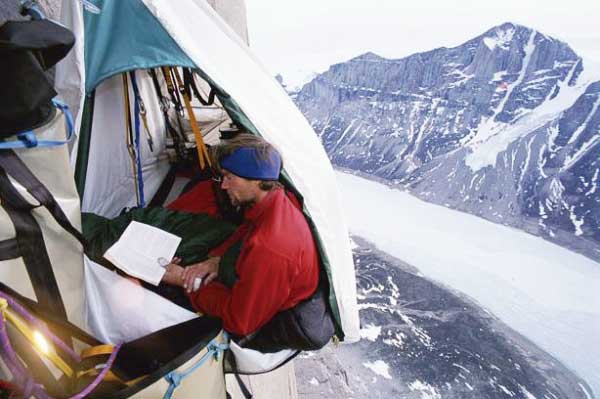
<point>174,274</point>
<point>207,270</point>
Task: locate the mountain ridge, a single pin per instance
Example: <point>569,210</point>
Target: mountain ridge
<point>503,126</point>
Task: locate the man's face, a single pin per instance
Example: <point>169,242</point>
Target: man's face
<point>241,192</point>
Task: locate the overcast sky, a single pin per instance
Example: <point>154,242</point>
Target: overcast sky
<point>312,34</point>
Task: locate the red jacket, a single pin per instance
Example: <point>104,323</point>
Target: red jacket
<point>278,267</point>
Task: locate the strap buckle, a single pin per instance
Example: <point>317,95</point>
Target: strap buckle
<point>28,138</point>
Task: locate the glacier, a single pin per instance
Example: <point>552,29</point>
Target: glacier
<point>543,291</point>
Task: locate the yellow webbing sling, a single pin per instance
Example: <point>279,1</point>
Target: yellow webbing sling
<point>203,157</point>
<point>102,350</point>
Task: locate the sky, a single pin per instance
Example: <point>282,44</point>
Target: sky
<point>295,37</point>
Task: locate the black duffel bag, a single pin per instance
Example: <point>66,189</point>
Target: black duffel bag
<point>306,326</point>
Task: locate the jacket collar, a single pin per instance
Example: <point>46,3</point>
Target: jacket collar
<point>254,213</point>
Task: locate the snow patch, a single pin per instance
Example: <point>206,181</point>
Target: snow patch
<point>461,367</point>
<point>427,391</point>
<point>594,182</point>
<point>524,391</point>
<point>501,39</point>
<point>379,367</point>
<point>397,340</point>
<point>505,390</point>
<point>313,381</point>
<point>370,332</point>
<point>556,190</point>
<point>576,222</point>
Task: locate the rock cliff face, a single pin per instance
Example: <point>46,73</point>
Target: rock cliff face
<point>505,126</point>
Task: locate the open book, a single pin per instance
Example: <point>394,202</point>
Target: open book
<point>143,251</point>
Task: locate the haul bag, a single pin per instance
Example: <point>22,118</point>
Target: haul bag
<point>306,326</point>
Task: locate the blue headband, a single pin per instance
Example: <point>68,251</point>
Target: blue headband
<point>245,163</point>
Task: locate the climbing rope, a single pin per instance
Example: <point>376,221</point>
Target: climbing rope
<point>21,376</point>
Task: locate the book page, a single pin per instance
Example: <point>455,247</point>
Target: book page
<point>139,250</point>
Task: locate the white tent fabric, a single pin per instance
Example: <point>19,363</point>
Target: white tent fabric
<point>234,13</point>
<point>249,361</point>
<point>110,180</point>
<point>69,78</point>
<point>121,311</point>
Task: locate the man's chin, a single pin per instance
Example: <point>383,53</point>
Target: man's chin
<point>237,203</point>
<point>243,204</point>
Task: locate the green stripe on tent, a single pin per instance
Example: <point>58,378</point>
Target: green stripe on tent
<point>126,36</point>
<point>83,150</point>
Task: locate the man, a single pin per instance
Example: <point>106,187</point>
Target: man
<point>278,264</point>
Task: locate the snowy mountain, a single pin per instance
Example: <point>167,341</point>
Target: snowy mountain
<point>505,126</point>
<point>293,80</point>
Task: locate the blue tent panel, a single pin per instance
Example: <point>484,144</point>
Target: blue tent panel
<point>126,36</point>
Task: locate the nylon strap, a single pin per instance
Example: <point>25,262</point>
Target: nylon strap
<point>97,350</point>
<point>165,188</point>
<point>15,167</point>
<point>245,391</point>
<point>138,152</point>
<point>32,249</point>
<point>129,136</point>
<point>174,93</point>
<point>190,87</point>
<point>143,112</point>
<point>171,89</point>
<point>164,106</point>
<point>203,157</point>
<point>27,139</point>
<point>9,249</point>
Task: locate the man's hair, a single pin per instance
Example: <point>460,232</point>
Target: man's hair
<point>262,148</point>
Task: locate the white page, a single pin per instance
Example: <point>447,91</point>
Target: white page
<point>139,250</point>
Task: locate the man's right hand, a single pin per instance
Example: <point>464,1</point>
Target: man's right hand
<point>207,271</point>
<point>174,273</point>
